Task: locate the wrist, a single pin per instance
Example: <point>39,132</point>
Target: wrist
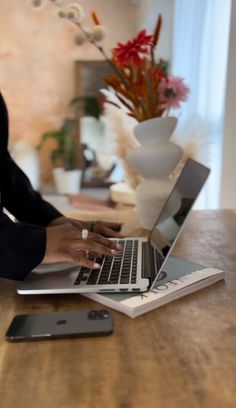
<point>57,221</point>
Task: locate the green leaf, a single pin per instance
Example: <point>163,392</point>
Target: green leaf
<point>47,135</point>
<point>65,152</point>
<point>91,105</point>
<point>56,155</point>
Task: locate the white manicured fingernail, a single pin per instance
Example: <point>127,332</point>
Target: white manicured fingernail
<point>96,265</point>
<point>85,234</point>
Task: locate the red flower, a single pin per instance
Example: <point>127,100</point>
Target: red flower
<point>129,53</point>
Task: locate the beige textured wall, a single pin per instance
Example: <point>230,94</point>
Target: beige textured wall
<point>37,56</point>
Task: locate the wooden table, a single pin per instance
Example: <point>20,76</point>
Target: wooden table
<point>180,355</point>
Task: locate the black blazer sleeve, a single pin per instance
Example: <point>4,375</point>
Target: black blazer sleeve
<point>22,248</point>
<point>22,244</point>
<point>20,199</point>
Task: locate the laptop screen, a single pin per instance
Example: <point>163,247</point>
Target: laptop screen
<point>177,207</point>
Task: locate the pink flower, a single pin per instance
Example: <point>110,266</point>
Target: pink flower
<point>172,91</point>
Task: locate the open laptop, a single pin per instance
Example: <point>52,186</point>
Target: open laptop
<point>138,267</point>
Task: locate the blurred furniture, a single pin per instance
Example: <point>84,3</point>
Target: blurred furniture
<point>63,202</point>
<point>180,355</point>
<point>122,193</point>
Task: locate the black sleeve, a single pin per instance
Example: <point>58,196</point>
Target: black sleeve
<point>20,199</point>
<point>22,244</point>
<point>17,194</point>
<point>22,248</point>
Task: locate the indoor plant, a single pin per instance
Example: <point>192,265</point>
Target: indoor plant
<point>66,175</point>
<point>67,157</point>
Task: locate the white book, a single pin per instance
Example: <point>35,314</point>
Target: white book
<point>179,279</point>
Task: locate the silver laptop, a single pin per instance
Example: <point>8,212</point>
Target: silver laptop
<point>138,267</point>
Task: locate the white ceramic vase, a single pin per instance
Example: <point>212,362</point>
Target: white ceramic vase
<point>154,160</point>
<point>67,181</point>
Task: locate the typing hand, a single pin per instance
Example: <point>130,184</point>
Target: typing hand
<point>107,229</point>
<point>65,244</point>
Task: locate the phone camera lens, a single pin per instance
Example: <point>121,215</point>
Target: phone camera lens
<point>98,314</point>
<point>104,314</point>
<point>93,315</point>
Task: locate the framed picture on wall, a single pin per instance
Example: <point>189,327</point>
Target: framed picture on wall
<point>90,76</point>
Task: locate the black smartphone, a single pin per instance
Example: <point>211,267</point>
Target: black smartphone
<point>55,325</point>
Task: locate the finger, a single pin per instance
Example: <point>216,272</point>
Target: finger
<point>83,254</point>
<point>107,232</point>
<point>92,236</point>
<point>93,255</point>
<point>94,246</point>
<point>83,261</point>
<point>116,226</point>
<point>77,224</point>
<point>104,241</point>
<point>66,255</point>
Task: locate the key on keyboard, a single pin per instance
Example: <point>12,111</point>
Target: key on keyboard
<point>121,268</point>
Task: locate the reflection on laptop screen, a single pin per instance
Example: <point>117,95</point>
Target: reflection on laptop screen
<point>177,206</point>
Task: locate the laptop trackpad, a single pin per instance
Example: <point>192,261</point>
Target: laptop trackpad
<point>46,276</point>
<point>55,267</point>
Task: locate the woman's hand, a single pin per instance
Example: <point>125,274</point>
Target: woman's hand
<point>107,229</point>
<point>65,244</point>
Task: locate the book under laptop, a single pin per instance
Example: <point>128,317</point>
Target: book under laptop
<point>138,266</point>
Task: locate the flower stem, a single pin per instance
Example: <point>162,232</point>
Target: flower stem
<point>122,77</point>
<point>114,67</point>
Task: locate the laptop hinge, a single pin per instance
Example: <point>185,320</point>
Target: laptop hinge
<point>151,262</point>
<point>146,261</point>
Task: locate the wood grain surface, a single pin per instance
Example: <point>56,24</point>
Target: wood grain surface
<point>180,355</point>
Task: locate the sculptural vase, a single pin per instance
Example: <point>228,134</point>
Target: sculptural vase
<point>154,160</point>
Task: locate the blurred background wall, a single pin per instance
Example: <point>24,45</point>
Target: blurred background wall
<point>37,55</point>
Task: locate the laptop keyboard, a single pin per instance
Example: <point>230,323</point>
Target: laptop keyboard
<point>121,268</point>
